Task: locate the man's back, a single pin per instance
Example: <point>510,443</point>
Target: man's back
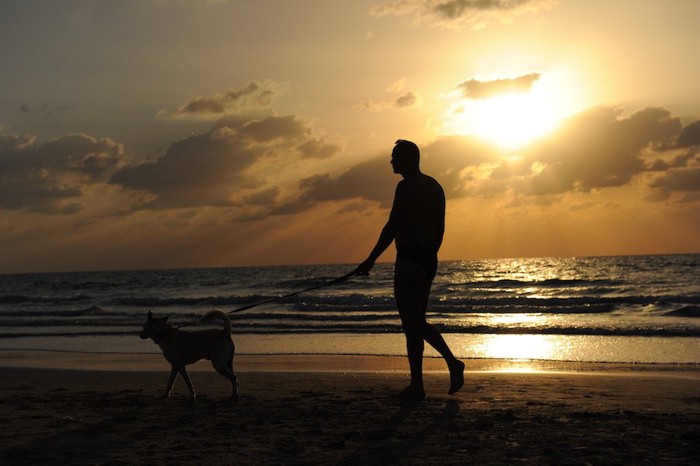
<point>419,212</point>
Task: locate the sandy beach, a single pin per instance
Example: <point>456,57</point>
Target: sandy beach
<point>70,408</point>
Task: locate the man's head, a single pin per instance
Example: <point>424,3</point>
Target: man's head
<point>405,158</point>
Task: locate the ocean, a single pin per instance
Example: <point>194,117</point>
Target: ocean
<point>626,309</point>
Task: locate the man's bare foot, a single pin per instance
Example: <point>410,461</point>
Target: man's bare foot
<point>456,376</point>
<point>412,393</point>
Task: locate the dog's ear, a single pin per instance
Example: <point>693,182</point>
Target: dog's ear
<point>165,319</point>
<point>150,315</point>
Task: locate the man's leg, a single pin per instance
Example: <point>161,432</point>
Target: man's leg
<point>435,339</point>
<point>408,292</point>
<point>412,290</point>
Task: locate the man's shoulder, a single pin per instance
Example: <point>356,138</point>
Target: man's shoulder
<point>432,182</point>
<point>421,183</point>
<point>419,180</point>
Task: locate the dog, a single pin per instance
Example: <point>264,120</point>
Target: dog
<point>181,348</point>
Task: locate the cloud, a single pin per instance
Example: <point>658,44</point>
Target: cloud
<point>683,179</point>
<point>405,100</point>
<point>263,197</point>
<point>458,13</point>
<point>475,89</point>
<point>690,135</point>
<point>598,148</point>
<point>252,96</point>
<point>211,169</point>
<point>401,99</point>
<point>373,180</point>
<point>44,109</point>
<point>53,176</point>
<point>317,149</point>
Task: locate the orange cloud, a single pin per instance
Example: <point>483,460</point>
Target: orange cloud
<point>210,169</point>
<point>456,13</point>
<point>475,89</point>
<point>254,95</point>
<point>52,177</point>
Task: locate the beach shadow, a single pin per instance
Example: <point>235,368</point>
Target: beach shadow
<point>406,432</point>
<point>104,427</point>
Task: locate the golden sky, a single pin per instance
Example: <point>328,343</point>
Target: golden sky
<point>195,133</point>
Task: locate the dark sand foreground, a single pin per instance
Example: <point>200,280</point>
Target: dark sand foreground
<point>288,416</point>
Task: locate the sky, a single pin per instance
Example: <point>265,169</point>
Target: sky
<point>207,133</point>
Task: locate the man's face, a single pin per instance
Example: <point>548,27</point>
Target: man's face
<point>398,161</point>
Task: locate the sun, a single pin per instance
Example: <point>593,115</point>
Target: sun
<point>509,120</point>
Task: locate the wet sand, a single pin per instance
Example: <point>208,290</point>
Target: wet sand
<point>69,408</point>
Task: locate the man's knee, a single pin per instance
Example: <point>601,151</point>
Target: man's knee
<point>414,340</point>
<point>413,326</point>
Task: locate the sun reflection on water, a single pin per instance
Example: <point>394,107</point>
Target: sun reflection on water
<point>518,347</point>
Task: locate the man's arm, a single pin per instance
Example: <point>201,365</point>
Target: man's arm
<point>384,241</point>
<point>441,220</point>
<point>388,232</point>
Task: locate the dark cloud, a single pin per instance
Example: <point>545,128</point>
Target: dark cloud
<point>195,171</point>
<point>597,149</point>
<point>209,169</point>
<point>255,94</point>
<point>44,109</point>
<point>317,149</point>
<point>273,128</point>
<point>456,9</point>
<point>405,100</point>
<point>402,99</point>
<point>451,13</point>
<point>475,89</point>
<point>53,176</point>
<point>690,135</point>
<point>264,197</point>
<point>370,180</point>
<point>680,179</point>
<point>374,180</point>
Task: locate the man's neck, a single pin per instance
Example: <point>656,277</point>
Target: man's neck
<point>411,173</point>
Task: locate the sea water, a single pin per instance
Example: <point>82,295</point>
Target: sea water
<point>631,309</point>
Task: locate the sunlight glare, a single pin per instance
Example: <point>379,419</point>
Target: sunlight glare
<point>519,347</point>
<point>509,120</point>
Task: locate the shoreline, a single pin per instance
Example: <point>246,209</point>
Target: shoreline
<point>334,363</point>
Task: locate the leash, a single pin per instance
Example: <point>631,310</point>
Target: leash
<point>335,281</point>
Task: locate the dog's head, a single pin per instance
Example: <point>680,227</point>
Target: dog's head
<point>154,327</point>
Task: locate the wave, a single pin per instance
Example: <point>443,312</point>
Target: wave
<point>547,283</point>
<point>313,303</point>
<point>20,299</point>
<point>147,301</point>
<point>364,301</point>
<point>252,328</point>
<point>686,311</point>
<point>26,314</point>
<point>626,296</point>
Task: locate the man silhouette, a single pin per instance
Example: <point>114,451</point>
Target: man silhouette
<point>416,224</point>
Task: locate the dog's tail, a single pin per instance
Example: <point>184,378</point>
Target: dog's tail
<point>218,314</point>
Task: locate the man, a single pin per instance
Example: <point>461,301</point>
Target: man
<point>416,224</point>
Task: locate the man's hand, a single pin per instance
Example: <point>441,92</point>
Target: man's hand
<point>365,267</point>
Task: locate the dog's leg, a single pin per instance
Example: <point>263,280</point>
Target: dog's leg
<point>171,381</point>
<point>234,382</point>
<point>226,370</point>
<point>190,387</point>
